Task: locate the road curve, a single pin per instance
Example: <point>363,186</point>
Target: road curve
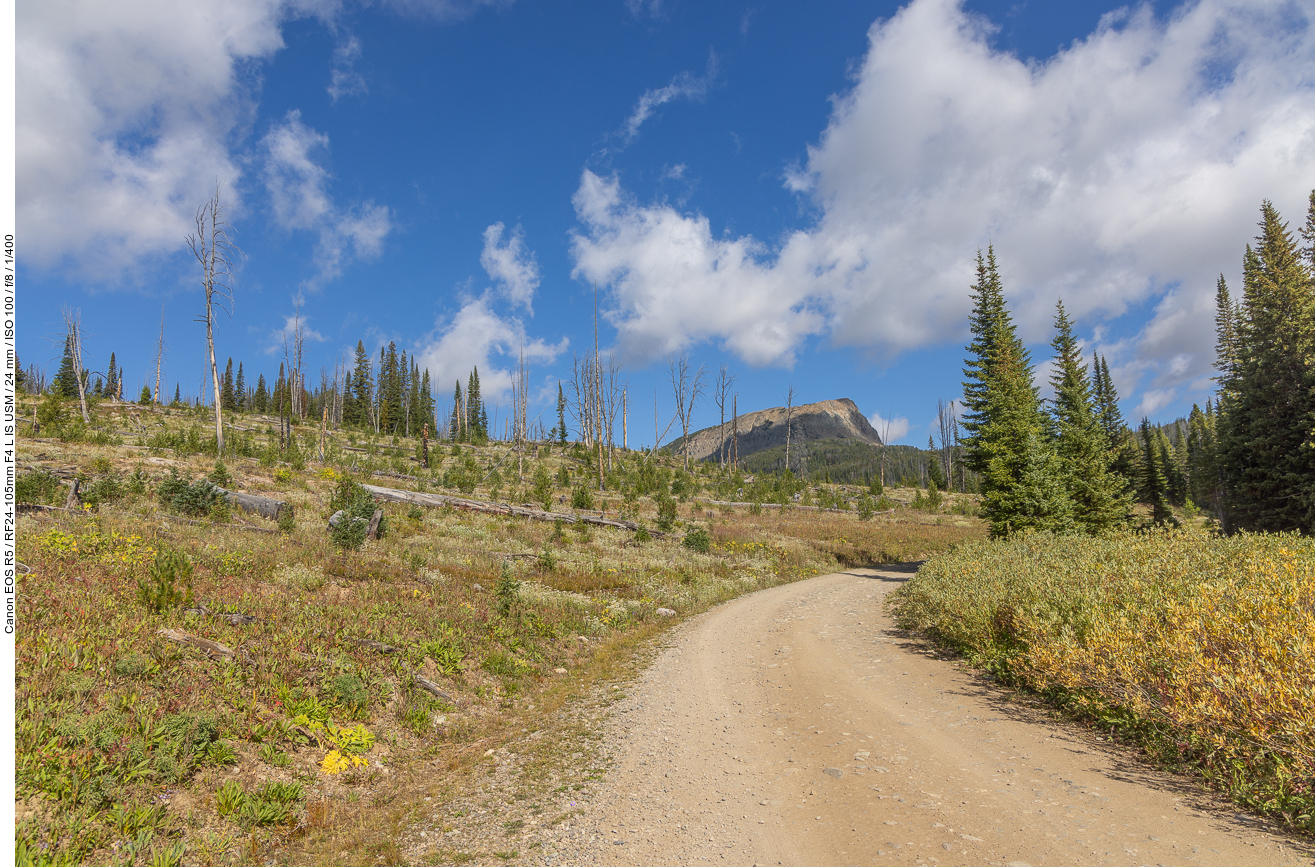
<point>796,727</point>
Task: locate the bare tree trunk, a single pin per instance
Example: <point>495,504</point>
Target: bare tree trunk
<point>212,248</point>
<point>720,392</point>
<point>735,431</point>
<point>687,392</point>
<point>625,413</point>
<point>159,356</point>
<point>789,424</point>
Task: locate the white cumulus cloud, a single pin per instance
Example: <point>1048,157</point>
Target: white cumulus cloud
<point>126,113</point>
<point>1128,167</point>
<point>511,264</point>
<point>476,336</point>
<point>891,430</point>
<point>297,184</point>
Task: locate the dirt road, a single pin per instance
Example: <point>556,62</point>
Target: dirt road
<point>794,727</point>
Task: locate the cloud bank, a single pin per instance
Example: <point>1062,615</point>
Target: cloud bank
<point>1128,168</point>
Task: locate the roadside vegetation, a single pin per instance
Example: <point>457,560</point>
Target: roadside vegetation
<point>1198,648</point>
<point>198,685</point>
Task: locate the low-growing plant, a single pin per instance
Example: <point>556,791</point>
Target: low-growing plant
<point>698,539</point>
<point>507,591</point>
<point>582,497</point>
<point>220,475</point>
<point>169,584</point>
<point>40,487</point>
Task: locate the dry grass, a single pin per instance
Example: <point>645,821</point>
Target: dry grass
<point>129,743</point>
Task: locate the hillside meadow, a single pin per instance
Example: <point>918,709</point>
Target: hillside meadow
<point>198,685</point>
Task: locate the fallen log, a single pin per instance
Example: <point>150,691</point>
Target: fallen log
<point>265,507</point>
<point>205,645</point>
<point>438,501</point>
<point>432,688</point>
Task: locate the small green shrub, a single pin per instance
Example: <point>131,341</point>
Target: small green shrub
<point>169,584</point>
<point>39,487</point>
<point>507,591</point>
<point>666,508</point>
<point>350,694</point>
<point>698,540</point>
<point>582,498</point>
<point>220,475</point>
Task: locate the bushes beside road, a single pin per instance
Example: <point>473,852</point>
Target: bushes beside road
<point>1201,648</point>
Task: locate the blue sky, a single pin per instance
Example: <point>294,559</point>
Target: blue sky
<point>794,190</point>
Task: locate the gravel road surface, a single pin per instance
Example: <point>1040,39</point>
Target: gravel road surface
<point>795,726</point>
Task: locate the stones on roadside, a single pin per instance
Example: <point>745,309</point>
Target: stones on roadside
<point>833,772</point>
<point>665,612</point>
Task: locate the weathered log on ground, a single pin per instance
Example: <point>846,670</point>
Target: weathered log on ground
<point>438,501</point>
<point>265,507</point>
<point>205,645</point>
<point>432,688</point>
<point>791,505</point>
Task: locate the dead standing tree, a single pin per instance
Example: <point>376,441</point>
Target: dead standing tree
<point>720,394</point>
<point>216,253</point>
<point>73,325</point>
<point>789,424</point>
<point>687,391</point>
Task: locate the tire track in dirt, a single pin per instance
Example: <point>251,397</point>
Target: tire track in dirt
<point>795,726</point>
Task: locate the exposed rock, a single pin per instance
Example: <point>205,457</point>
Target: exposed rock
<point>766,428</point>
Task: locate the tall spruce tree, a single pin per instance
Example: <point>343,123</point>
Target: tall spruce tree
<point>66,380</point>
<point>1267,388</point>
<point>1202,459</point>
<point>1155,481</point>
<point>561,415</point>
<point>228,400</point>
<point>362,389</point>
<point>476,416</point>
<point>989,323</point>
<point>112,379</point>
<point>1098,493</point>
<point>458,427</point>
<point>427,416</point>
<point>1008,440</point>
<point>240,390</point>
<point>261,398</point>
<point>178,392</point>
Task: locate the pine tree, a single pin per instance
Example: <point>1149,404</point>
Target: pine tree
<point>1120,439</point>
<point>261,398</point>
<point>178,392</point>
<point>1155,482</point>
<point>356,409</point>
<point>240,390</point>
<point>427,415</point>
<point>66,381</point>
<point>1202,459</point>
<point>414,416</point>
<point>457,430</point>
<point>990,324</point>
<point>935,472</point>
<point>112,380</point>
<point>228,400</point>
<point>476,417</point>
<point>1008,439</point>
<point>1267,387</point>
<point>1097,492</point>
<point>145,397</point>
<point>561,415</point>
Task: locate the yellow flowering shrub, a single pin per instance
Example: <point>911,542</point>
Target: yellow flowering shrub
<point>1208,641</point>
